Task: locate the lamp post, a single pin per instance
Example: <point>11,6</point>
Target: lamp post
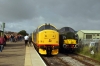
<point>3,26</point>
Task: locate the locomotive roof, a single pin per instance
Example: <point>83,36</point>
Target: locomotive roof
<point>66,29</point>
<point>46,24</point>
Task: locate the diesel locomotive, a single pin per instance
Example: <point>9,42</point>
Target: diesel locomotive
<point>68,39</point>
<point>46,39</point>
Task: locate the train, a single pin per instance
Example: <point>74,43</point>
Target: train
<point>46,39</point>
<point>68,39</point>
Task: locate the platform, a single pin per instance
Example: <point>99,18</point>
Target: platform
<point>16,54</point>
<point>32,58</point>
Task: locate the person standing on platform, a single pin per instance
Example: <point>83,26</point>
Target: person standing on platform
<point>2,41</point>
<point>26,39</point>
<point>30,40</point>
<point>5,39</point>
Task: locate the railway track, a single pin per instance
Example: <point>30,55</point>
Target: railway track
<point>54,61</point>
<point>84,60</point>
<point>69,60</point>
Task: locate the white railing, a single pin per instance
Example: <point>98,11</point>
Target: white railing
<point>87,41</point>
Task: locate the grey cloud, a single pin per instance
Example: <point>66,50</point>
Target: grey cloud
<point>16,10</point>
<point>24,9</point>
<point>28,25</point>
<point>78,14</point>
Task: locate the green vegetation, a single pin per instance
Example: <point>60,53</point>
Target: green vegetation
<point>22,32</point>
<point>87,51</point>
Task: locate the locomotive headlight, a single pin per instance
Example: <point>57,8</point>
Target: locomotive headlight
<point>64,46</point>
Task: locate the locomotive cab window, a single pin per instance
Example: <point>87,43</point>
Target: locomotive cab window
<point>41,28</point>
<point>50,27</point>
<point>47,26</point>
<point>44,27</point>
<point>53,28</point>
<point>71,30</point>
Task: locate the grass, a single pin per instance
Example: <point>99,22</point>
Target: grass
<point>86,51</point>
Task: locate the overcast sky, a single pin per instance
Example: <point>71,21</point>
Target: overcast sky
<point>29,14</point>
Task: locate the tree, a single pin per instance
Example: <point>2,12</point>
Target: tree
<point>22,32</point>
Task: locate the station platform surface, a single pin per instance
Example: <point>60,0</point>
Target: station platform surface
<point>16,54</point>
<point>32,58</point>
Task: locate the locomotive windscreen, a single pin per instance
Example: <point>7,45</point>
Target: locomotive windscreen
<point>70,35</point>
<point>48,26</point>
<point>67,32</point>
<point>66,29</point>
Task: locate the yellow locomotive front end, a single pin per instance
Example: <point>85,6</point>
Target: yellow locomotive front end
<point>47,40</point>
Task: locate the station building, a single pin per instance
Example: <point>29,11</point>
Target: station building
<point>88,34</point>
<point>90,38</point>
